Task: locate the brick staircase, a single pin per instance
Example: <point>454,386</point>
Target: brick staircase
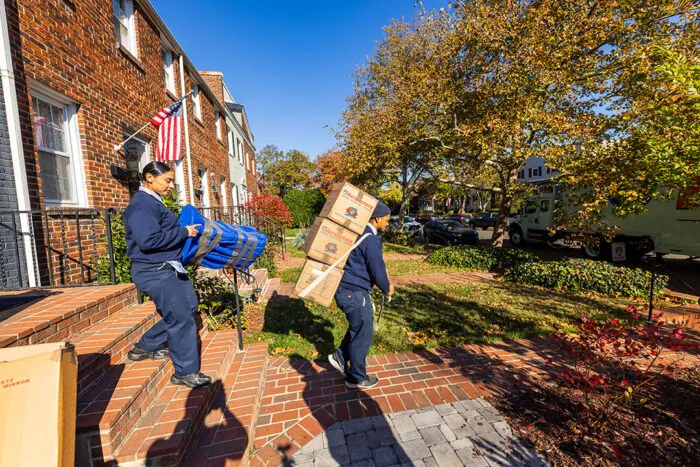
<point>128,413</point>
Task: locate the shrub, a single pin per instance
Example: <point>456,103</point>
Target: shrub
<point>395,236</point>
<point>304,205</point>
<point>122,263</point>
<point>300,238</point>
<point>480,259</point>
<point>217,300</point>
<point>270,206</point>
<point>583,275</point>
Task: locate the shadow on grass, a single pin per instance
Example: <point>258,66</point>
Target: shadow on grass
<point>302,327</point>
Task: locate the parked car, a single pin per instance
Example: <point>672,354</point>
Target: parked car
<point>485,220</point>
<point>463,218</point>
<point>425,219</point>
<point>410,228</point>
<point>394,221</point>
<point>449,232</point>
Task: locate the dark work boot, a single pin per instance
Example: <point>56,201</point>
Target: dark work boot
<point>193,380</point>
<point>136,354</point>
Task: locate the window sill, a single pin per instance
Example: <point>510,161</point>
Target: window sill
<point>131,57</point>
<point>221,142</point>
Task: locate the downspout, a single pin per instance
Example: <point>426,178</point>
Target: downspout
<point>187,130</point>
<point>16,148</point>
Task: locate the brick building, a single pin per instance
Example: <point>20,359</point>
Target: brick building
<point>87,74</point>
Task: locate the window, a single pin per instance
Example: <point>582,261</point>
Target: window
<point>124,25</point>
<point>217,117</point>
<point>223,190</point>
<point>231,149</point>
<point>239,149</point>
<point>195,102</point>
<point>549,170</point>
<point>139,148</point>
<point>168,72</point>
<point>531,207</point>
<point>544,205</point>
<point>234,194</point>
<point>57,140</point>
<point>204,180</point>
<point>529,172</point>
<point>539,171</point>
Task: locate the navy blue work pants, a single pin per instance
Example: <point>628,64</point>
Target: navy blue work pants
<point>357,306</point>
<point>176,302</point>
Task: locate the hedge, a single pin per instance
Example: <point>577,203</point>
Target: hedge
<point>583,275</point>
<point>304,205</point>
<point>480,259</point>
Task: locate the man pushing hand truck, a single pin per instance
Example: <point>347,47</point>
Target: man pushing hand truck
<point>364,269</point>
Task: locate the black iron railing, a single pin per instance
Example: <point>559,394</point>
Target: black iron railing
<point>52,247</point>
<point>75,247</point>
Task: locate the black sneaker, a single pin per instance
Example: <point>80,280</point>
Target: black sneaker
<point>137,354</point>
<point>192,381</point>
<point>369,382</point>
<point>335,363</point>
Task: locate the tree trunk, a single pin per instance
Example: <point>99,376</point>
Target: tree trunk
<point>504,210</point>
<point>463,204</point>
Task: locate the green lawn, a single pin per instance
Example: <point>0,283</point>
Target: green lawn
<point>419,249</point>
<point>396,267</point>
<point>434,315</point>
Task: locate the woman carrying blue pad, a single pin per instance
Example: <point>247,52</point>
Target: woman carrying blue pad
<point>154,242</point>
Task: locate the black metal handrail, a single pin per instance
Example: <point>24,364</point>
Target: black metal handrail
<point>60,247</point>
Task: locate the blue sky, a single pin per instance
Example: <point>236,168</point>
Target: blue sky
<point>289,63</point>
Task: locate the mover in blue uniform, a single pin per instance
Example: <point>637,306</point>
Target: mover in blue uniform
<point>154,242</point>
<point>364,269</point>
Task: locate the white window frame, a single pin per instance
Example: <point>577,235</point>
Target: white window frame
<point>239,149</point>
<point>196,104</point>
<point>72,134</point>
<point>168,70</point>
<point>206,201</point>
<point>234,195</point>
<point>146,156</point>
<point>217,116</point>
<point>231,148</point>
<point>129,24</point>
<point>222,187</point>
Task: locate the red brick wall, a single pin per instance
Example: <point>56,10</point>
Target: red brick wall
<point>71,48</point>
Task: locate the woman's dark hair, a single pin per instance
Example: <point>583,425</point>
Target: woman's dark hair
<point>155,168</point>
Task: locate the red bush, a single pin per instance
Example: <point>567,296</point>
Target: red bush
<point>270,206</point>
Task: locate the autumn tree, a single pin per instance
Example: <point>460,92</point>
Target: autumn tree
<point>283,172</point>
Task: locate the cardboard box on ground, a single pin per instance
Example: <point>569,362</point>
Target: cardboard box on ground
<point>38,392</point>
<point>343,218</point>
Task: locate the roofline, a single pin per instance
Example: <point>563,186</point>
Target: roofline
<point>153,15</point>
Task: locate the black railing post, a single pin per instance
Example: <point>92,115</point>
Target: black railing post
<point>80,246</point>
<point>110,246</point>
<point>238,310</point>
<point>651,292</point>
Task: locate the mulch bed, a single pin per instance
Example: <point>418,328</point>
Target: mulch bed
<point>659,426</point>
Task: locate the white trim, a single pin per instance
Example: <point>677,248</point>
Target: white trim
<point>217,115</point>
<point>187,132</point>
<point>196,103</point>
<point>130,26</point>
<point>169,70</point>
<point>50,96</point>
<point>16,148</point>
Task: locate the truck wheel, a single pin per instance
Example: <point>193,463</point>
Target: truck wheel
<point>516,236</point>
<point>598,250</point>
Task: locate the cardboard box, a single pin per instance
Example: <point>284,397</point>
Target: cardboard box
<point>38,392</point>
<point>323,293</point>
<point>327,241</point>
<point>349,206</point>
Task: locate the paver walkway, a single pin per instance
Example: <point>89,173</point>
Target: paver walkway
<point>466,433</point>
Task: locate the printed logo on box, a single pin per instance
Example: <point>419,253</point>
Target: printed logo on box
<point>351,212</point>
<point>331,248</point>
<point>357,199</point>
<point>338,236</point>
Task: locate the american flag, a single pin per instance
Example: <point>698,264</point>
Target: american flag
<point>169,124</point>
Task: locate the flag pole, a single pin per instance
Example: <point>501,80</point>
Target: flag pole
<point>117,147</point>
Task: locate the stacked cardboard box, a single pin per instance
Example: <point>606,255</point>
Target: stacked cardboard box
<point>334,232</point>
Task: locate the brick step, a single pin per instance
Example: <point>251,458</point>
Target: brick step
<point>166,432</point>
<point>61,314</point>
<point>107,342</point>
<point>228,430</point>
